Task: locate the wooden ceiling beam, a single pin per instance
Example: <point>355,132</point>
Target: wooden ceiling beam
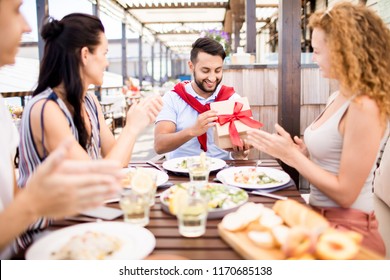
<point>267,5</point>
<point>192,32</point>
<point>179,6</point>
<point>181,22</point>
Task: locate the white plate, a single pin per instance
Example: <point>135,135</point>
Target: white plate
<point>162,177</point>
<point>227,176</point>
<point>174,164</point>
<point>137,242</point>
<point>214,213</point>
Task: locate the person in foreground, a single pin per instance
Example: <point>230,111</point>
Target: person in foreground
<point>183,127</point>
<point>59,187</point>
<point>338,157</point>
<point>61,107</point>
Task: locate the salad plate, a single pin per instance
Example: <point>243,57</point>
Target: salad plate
<point>250,177</point>
<point>222,199</point>
<point>161,177</point>
<point>161,180</point>
<point>179,165</point>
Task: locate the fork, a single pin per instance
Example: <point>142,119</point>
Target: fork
<point>270,195</point>
<point>82,219</point>
<point>151,163</point>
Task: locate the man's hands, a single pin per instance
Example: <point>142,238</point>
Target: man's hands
<point>204,122</point>
<point>241,152</point>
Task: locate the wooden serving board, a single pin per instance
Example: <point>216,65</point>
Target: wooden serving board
<point>241,243</point>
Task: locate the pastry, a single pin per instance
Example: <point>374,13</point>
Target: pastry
<point>296,214</point>
<point>336,245</point>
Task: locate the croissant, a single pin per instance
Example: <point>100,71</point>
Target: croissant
<point>296,214</point>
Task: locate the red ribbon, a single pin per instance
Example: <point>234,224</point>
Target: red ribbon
<point>238,115</point>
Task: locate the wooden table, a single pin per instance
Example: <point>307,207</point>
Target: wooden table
<point>210,245</point>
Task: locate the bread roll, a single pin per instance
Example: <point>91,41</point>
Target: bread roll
<point>233,222</point>
<point>270,221</point>
<point>280,234</point>
<point>250,211</point>
<point>263,239</point>
<point>299,242</point>
<point>296,214</point>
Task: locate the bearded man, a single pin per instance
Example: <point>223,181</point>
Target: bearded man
<point>184,125</point>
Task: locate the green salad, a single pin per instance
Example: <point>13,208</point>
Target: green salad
<point>183,163</point>
<point>218,195</point>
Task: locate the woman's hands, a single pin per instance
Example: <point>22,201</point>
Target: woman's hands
<point>279,145</point>
<point>142,114</point>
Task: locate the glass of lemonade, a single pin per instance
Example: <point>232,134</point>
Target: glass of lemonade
<point>144,180</point>
<point>192,214</point>
<point>152,193</point>
<point>135,207</point>
<point>198,169</point>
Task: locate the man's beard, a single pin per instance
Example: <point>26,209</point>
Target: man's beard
<point>200,84</point>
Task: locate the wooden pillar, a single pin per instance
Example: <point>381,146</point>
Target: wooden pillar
<point>42,12</point>
<point>289,82</point>
<point>161,59</point>
<point>173,65</point>
<point>140,61</point>
<point>96,8</point>
<point>236,29</point>
<point>152,56</point>
<point>166,63</point>
<point>250,19</point>
<point>124,52</point>
<point>96,12</point>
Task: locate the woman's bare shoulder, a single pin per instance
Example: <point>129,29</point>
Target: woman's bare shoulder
<point>50,108</point>
<point>365,104</point>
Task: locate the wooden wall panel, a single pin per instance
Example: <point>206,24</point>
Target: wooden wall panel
<point>308,114</point>
<point>271,87</point>
<point>314,88</point>
<point>253,86</point>
<point>234,79</point>
<point>268,115</point>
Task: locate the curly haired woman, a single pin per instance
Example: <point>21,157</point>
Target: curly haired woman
<point>352,45</point>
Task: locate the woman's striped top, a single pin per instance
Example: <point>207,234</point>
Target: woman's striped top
<point>30,158</point>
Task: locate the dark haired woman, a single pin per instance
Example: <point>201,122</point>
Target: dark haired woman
<point>74,58</point>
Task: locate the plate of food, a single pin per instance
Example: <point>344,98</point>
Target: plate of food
<point>222,199</point>
<point>250,177</point>
<point>98,241</point>
<point>161,177</point>
<point>179,165</point>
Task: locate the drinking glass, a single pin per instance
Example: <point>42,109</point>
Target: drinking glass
<point>192,214</point>
<point>145,181</point>
<point>152,193</point>
<point>198,171</point>
<point>135,207</point>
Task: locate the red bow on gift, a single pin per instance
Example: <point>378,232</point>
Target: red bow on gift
<point>242,116</point>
